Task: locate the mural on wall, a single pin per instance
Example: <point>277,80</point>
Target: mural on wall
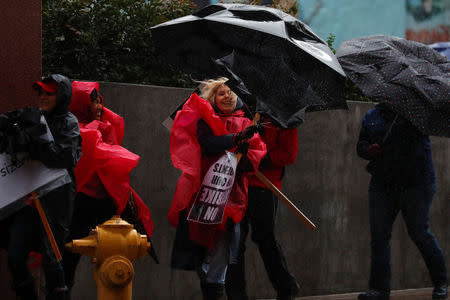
<point>288,6</point>
<point>201,3</point>
<point>428,21</point>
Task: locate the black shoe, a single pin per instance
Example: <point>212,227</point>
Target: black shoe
<point>289,294</point>
<point>212,291</point>
<point>232,295</point>
<point>287,297</point>
<point>26,290</point>
<point>59,293</point>
<point>374,295</point>
<point>440,292</point>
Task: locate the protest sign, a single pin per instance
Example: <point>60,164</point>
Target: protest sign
<point>212,198</point>
<point>22,176</point>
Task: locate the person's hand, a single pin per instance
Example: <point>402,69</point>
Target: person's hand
<point>245,134</point>
<point>374,150</point>
<point>243,148</point>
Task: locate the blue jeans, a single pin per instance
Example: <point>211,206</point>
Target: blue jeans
<point>414,202</point>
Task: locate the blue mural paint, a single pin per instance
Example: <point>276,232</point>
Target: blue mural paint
<point>348,19</point>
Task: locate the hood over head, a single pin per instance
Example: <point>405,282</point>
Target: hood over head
<point>63,94</point>
<point>80,106</point>
<point>81,100</point>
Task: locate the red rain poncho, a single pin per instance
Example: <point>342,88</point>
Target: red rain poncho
<point>104,168</point>
<point>186,156</point>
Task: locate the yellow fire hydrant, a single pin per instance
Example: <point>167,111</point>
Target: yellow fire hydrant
<point>114,246</point>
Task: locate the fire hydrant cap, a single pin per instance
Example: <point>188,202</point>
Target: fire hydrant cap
<point>117,271</point>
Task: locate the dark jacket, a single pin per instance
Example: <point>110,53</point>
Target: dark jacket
<point>63,152</point>
<point>406,153</point>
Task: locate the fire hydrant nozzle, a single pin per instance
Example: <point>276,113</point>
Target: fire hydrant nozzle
<point>114,247</point>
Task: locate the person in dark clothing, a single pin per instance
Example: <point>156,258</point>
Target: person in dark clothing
<point>282,146</point>
<point>403,180</point>
<point>26,233</point>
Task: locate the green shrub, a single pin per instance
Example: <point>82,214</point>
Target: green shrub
<point>351,91</point>
<point>109,40</point>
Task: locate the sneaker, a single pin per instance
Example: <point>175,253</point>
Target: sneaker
<point>374,295</point>
<point>293,292</point>
<point>440,292</point>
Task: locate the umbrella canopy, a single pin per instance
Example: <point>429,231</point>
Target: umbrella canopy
<point>278,63</point>
<point>409,77</point>
<point>443,48</point>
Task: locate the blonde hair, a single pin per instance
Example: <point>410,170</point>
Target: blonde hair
<point>208,88</point>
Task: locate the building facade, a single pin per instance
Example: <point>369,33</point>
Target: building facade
<point>426,21</point>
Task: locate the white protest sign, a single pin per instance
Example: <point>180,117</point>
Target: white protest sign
<point>209,205</point>
<point>17,179</point>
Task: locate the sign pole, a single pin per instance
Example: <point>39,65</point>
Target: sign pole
<point>285,200</point>
<point>277,192</point>
<point>47,228</point>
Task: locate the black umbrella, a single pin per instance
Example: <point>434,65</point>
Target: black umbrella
<point>275,60</point>
<point>409,77</point>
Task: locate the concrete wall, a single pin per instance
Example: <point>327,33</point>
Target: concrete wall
<point>20,54</point>
<point>328,183</point>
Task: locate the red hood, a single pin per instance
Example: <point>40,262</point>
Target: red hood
<point>80,104</point>
<point>113,125</point>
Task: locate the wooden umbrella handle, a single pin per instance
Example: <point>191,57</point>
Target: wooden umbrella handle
<point>47,228</point>
<point>286,201</point>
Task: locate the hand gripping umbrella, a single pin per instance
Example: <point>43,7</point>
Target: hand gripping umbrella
<point>411,78</point>
<point>282,67</point>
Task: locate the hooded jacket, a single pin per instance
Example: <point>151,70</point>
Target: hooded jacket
<point>406,158</point>
<point>104,169</point>
<point>65,150</point>
<point>189,155</point>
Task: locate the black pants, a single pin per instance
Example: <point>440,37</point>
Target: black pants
<point>88,213</point>
<point>27,234</point>
<point>414,203</point>
<point>24,233</point>
<point>260,215</point>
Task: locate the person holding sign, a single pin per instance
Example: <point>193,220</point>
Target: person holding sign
<point>211,194</point>
<point>103,183</point>
<point>62,150</point>
<point>282,146</point>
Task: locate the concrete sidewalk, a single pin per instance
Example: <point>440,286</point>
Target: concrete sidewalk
<point>412,294</point>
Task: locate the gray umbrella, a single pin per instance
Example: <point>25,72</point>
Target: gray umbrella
<point>284,68</point>
<point>409,77</point>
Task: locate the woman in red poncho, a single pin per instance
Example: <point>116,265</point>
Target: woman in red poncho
<point>201,133</point>
<point>103,184</point>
